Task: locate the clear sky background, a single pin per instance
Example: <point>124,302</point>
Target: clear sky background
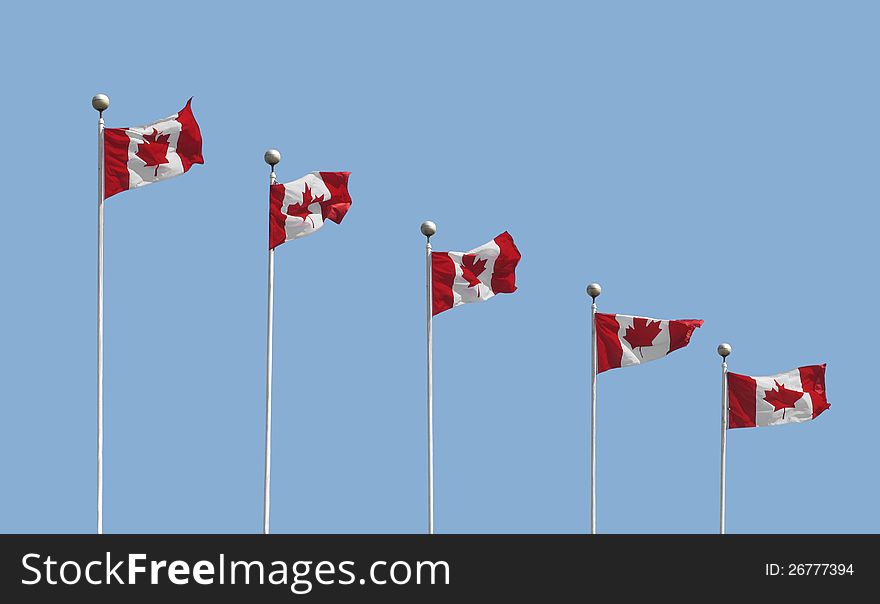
<point>699,160</point>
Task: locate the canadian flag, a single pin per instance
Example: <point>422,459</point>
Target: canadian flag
<point>623,340</point>
<point>138,156</point>
<point>301,207</point>
<point>791,397</point>
<point>475,276</point>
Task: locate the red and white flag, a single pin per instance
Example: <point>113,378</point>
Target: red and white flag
<point>138,156</point>
<point>791,397</point>
<point>623,340</point>
<point>474,276</point>
<point>301,207</point>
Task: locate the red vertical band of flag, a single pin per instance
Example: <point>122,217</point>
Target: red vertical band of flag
<point>337,183</point>
<point>189,144</point>
<point>442,277</point>
<point>608,347</point>
<point>813,381</point>
<point>741,391</point>
<point>277,235</point>
<point>116,143</point>
<point>504,275</point>
<point>680,332</point>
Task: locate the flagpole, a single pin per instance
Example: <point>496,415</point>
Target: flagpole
<point>724,350</point>
<point>271,157</point>
<point>593,290</point>
<point>100,103</point>
<point>428,228</point>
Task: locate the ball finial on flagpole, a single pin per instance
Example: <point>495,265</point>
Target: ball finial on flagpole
<point>593,290</point>
<point>428,228</point>
<point>100,102</point>
<point>724,349</point>
<point>272,156</point>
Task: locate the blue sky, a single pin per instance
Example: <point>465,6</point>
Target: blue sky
<point>699,160</point>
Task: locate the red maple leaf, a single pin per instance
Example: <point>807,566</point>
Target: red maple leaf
<point>302,209</point>
<point>471,268</point>
<point>642,333</point>
<point>154,149</point>
<point>783,398</point>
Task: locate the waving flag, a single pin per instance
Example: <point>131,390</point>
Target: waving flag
<point>791,397</point>
<point>141,155</point>
<point>301,207</point>
<point>623,340</point>
<point>474,276</point>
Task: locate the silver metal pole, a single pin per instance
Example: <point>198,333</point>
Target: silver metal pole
<point>428,228</point>
<point>724,350</point>
<point>272,157</point>
<point>593,290</point>
<point>100,103</point>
